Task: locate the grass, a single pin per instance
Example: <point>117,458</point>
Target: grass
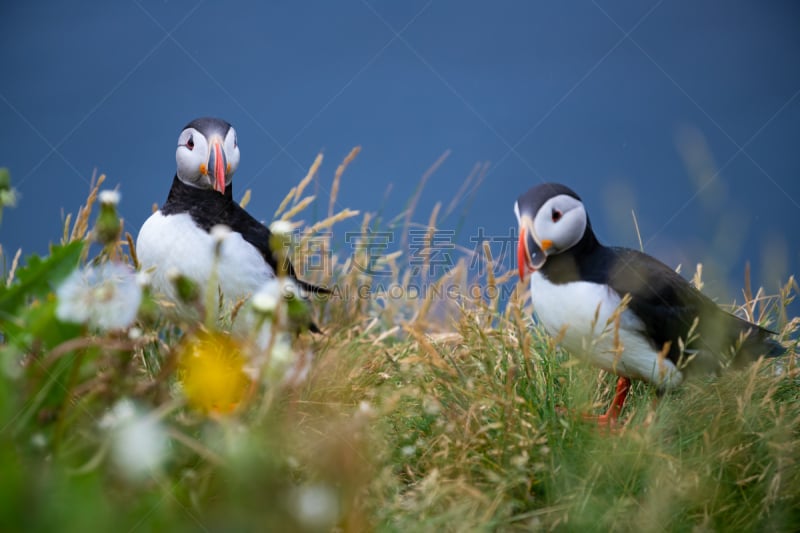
<point>416,415</point>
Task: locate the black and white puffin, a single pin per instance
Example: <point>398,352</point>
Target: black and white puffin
<point>177,238</point>
<point>577,286</point>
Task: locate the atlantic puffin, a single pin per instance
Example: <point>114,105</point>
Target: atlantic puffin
<point>668,329</point>
<point>177,239</point>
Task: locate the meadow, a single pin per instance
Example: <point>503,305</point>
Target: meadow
<point>423,413</point>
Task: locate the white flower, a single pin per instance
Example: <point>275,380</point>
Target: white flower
<point>267,297</point>
<point>39,440</point>
<point>316,506</point>
<point>219,232</point>
<point>105,296</point>
<point>122,412</point>
<point>143,278</point>
<point>431,405</point>
<point>109,197</point>
<point>251,324</point>
<point>172,274</point>
<point>281,227</point>
<point>138,441</point>
<point>365,408</point>
<point>264,302</point>
<point>282,353</point>
<point>265,324</point>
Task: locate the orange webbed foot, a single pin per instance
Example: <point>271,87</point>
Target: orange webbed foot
<point>610,420</point>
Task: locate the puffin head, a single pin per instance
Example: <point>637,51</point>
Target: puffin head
<point>207,154</point>
<point>551,220</point>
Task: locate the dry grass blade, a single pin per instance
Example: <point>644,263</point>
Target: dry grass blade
<point>337,178</point>
<point>516,306</point>
<point>322,243</point>
<point>14,264</point>
<point>284,203</point>
<point>427,251</point>
<point>475,178</point>
<point>461,190</point>
<point>638,233</point>
<point>433,291</point>
<point>312,171</point>
<point>132,250</point>
<point>195,446</point>
<point>424,409</point>
<point>748,292</point>
<point>491,280</point>
<point>481,176</point>
<point>415,199</point>
<point>436,359</point>
<point>81,227</point>
<point>245,199</point>
<point>65,235</point>
<point>74,233</point>
<point>614,322</point>
<point>330,221</point>
<point>697,278</point>
<point>302,204</point>
<point>505,278</point>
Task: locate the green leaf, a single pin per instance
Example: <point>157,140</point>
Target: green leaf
<point>41,323</point>
<point>38,278</point>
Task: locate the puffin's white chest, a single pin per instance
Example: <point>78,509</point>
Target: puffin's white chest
<point>584,313</point>
<point>174,243</point>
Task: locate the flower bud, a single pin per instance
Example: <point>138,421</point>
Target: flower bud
<point>280,241</point>
<point>186,288</point>
<point>219,233</point>
<point>108,225</point>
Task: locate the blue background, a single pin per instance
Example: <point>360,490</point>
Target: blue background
<point>686,112</point>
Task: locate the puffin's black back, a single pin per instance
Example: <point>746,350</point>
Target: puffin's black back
<point>209,208</point>
<point>665,302</point>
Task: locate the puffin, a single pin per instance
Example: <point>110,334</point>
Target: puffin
<point>623,310</point>
<point>180,238</point>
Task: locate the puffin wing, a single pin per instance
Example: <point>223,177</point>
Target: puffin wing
<point>258,235</point>
<point>668,305</point>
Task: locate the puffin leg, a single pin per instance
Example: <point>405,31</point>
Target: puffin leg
<point>623,386</point>
<point>611,416</point>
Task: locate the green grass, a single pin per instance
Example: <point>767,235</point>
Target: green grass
<point>463,418</point>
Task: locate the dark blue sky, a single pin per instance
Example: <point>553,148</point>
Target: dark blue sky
<point>687,112</point>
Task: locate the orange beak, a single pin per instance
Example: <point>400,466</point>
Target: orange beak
<point>531,256</point>
<point>219,169</point>
<point>217,166</point>
<point>523,258</point>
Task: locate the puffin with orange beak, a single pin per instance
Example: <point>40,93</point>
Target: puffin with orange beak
<point>667,330</point>
<point>177,238</point>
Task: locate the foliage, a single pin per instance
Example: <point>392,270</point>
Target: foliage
<point>414,415</point>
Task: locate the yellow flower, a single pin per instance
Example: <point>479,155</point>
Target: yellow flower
<point>211,370</point>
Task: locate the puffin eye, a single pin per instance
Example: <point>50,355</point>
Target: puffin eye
<point>556,215</point>
<point>190,143</point>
